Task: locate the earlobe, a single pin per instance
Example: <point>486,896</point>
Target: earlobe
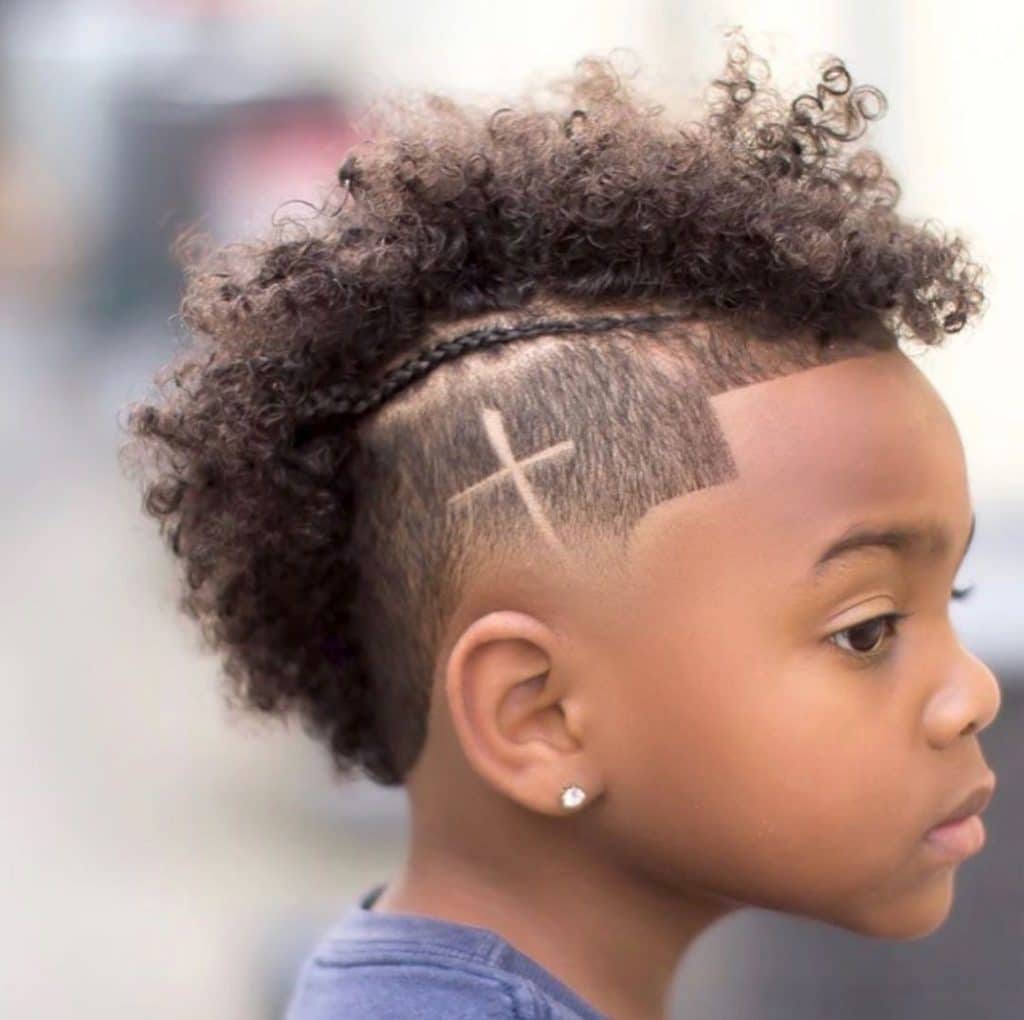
<point>506,681</point>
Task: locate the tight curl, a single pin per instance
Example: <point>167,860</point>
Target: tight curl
<point>762,213</point>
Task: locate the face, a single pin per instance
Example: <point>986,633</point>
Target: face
<point>754,745</point>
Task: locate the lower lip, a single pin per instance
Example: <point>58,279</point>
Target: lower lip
<point>958,840</point>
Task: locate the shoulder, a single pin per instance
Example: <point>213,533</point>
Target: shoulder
<point>411,988</point>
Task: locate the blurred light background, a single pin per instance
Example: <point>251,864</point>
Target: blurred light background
<point>165,860</point>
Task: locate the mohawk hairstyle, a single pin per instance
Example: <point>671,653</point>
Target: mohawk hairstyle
<point>321,552</point>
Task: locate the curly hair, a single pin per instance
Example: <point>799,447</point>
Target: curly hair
<point>608,269</point>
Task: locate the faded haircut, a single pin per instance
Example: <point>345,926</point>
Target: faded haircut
<point>324,571</point>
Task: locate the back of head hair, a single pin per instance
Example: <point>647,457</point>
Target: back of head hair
<point>322,553</point>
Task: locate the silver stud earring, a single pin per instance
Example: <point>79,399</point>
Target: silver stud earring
<point>573,796</point>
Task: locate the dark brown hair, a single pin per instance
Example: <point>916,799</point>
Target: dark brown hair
<point>320,551</point>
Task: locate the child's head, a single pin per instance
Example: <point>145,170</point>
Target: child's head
<point>581,546</point>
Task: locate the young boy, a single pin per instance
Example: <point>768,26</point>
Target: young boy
<point>568,472</point>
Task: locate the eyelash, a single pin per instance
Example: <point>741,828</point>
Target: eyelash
<point>888,618</point>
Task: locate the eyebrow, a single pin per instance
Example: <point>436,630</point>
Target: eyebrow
<point>903,538</point>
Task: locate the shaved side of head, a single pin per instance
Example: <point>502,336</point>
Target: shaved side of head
<point>551,446</point>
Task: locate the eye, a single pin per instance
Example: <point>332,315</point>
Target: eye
<point>866,639</point>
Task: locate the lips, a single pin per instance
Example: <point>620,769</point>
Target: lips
<point>973,804</point>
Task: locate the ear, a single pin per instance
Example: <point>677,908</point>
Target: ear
<point>516,711</point>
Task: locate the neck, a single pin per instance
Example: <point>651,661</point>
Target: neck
<point>612,937</point>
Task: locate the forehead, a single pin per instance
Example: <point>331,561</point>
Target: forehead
<point>864,436</point>
<point>863,440</point>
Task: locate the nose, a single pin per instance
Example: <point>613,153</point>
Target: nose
<point>966,703</point>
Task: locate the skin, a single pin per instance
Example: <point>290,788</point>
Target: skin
<point>733,755</point>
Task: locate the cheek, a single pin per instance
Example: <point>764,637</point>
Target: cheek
<point>769,777</point>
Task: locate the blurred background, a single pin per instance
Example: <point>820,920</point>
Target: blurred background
<point>164,859</point>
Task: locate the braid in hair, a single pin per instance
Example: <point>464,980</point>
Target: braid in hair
<point>340,404</point>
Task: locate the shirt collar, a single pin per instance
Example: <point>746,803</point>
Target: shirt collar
<point>360,924</point>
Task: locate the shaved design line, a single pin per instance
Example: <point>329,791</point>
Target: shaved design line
<point>494,426</point>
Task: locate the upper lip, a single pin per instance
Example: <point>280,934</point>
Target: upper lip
<point>973,804</point>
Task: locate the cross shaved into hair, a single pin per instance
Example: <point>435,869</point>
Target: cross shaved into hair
<point>511,468</point>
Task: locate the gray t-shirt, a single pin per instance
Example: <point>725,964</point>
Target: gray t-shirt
<point>372,965</point>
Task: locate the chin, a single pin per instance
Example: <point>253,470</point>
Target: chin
<point>915,914</point>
